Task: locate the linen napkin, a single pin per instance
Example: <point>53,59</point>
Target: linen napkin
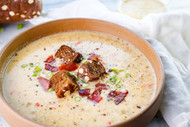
<point>169,35</point>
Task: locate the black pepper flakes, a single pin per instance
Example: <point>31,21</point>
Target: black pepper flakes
<point>110,70</point>
<point>30,79</point>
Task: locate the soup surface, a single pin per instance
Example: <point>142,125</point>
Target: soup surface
<point>128,74</point>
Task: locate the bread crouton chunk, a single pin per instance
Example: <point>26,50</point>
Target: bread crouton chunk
<point>62,83</point>
<point>68,55</point>
<point>91,70</point>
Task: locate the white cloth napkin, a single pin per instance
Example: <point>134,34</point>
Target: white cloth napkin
<point>169,35</point>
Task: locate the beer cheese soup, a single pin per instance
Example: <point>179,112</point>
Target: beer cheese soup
<point>79,79</point>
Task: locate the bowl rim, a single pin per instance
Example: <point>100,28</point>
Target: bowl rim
<point>152,102</point>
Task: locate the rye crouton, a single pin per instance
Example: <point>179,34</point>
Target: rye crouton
<point>68,55</point>
<point>91,70</point>
<point>62,83</point>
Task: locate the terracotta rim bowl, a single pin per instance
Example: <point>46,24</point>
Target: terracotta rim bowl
<point>140,119</point>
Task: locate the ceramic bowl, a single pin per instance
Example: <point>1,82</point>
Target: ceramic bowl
<point>141,119</point>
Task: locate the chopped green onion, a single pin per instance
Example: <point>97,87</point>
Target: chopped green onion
<point>84,61</point>
<point>85,85</point>
<point>24,65</point>
<point>77,78</point>
<point>50,90</point>
<point>77,99</point>
<point>50,74</point>
<point>118,80</point>
<point>1,29</point>
<point>35,74</point>
<point>31,64</point>
<point>19,26</point>
<point>71,74</point>
<point>37,69</point>
<point>115,70</point>
<point>127,75</point>
<point>113,78</point>
<point>83,81</point>
<point>118,85</point>
<point>107,82</point>
<point>122,70</point>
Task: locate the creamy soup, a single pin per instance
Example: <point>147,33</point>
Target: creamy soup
<point>128,71</point>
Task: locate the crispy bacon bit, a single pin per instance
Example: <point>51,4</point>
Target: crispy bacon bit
<point>11,93</point>
<point>44,83</point>
<point>37,104</point>
<point>117,97</point>
<point>95,99</point>
<point>69,67</point>
<point>51,68</point>
<point>79,42</point>
<point>120,97</point>
<point>97,91</point>
<point>50,59</point>
<point>95,96</point>
<point>84,92</point>
<point>104,86</point>
<point>92,55</point>
<point>111,95</point>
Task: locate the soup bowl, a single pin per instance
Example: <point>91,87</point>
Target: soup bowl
<point>140,119</point>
